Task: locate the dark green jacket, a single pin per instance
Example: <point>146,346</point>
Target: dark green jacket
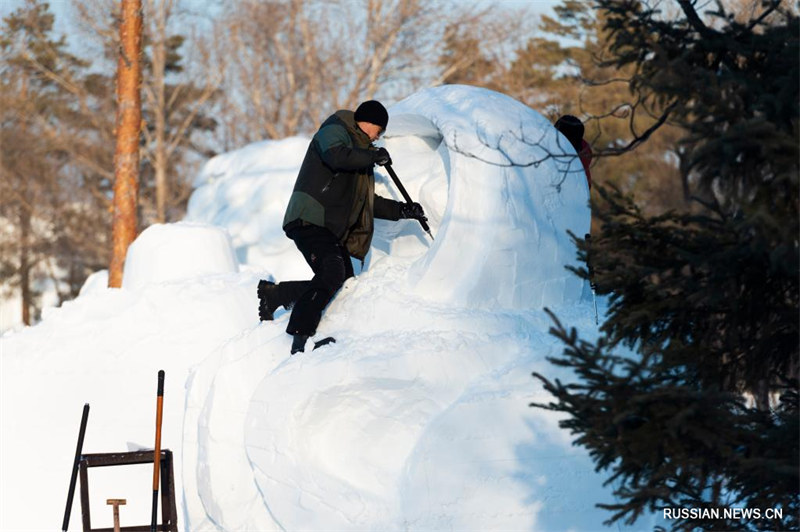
<point>335,188</point>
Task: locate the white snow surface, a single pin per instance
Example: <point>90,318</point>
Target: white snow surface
<point>417,418</point>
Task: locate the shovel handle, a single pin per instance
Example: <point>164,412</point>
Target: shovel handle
<point>405,195</point>
<point>157,450</point>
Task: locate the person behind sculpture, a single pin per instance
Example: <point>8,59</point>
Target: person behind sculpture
<point>572,128</point>
<point>330,215</point>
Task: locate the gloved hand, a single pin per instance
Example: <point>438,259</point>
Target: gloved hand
<point>382,157</point>
<point>412,210</point>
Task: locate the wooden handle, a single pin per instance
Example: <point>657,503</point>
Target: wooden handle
<point>157,450</point>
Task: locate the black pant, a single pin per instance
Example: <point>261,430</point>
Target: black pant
<point>331,265</point>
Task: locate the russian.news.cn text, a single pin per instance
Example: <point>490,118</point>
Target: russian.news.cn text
<point>746,514</point>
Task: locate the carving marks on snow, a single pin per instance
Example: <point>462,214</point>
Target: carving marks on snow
<point>508,190</point>
<point>414,125</point>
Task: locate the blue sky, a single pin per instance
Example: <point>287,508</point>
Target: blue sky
<point>64,11</point>
<point>61,6</point>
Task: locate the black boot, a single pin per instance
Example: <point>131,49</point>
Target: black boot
<point>267,300</point>
<point>299,343</point>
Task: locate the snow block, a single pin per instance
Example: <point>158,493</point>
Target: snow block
<point>173,252</point>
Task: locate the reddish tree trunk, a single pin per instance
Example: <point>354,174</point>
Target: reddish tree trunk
<point>126,156</point>
<point>25,264</point>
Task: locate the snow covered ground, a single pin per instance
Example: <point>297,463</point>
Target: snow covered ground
<point>417,418</point>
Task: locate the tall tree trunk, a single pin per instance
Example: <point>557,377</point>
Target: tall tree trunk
<point>25,263</point>
<point>159,61</point>
<point>126,156</point>
<point>25,214</point>
<point>160,166</point>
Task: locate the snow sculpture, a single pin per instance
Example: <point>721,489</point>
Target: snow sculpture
<point>513,192</point>
<point>173,252</point>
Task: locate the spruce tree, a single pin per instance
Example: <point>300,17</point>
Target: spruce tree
<point>689,398</point>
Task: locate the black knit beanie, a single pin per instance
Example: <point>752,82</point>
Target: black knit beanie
<point>374,112</point>
<point>572,128</point>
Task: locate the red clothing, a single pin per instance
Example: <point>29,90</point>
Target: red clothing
<point>586,159</point>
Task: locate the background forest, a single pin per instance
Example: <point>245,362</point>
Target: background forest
<point>219,75</point>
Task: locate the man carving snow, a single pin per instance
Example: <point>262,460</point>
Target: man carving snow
<point>330,216</point>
